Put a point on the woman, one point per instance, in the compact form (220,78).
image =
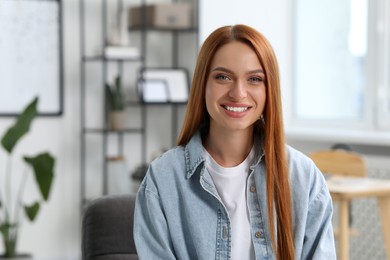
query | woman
(232,189)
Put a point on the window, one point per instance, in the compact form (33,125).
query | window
(383,29)
(342,64)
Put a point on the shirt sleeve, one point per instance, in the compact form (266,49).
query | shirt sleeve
(151,234)
(319,238)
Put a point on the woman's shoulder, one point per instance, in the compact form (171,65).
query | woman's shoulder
(303,172)
(171,154)
(164,170)
(171,159)
(296,157)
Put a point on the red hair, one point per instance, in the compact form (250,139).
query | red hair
(278,186)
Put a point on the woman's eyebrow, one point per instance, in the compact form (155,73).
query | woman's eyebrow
(222,69)
(230,71)
(255,71)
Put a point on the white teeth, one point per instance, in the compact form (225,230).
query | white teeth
(236,109)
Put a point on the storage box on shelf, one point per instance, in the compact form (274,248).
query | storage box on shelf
(162,16)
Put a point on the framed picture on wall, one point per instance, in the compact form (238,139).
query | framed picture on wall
(31,56)
(175,80)
(153,91)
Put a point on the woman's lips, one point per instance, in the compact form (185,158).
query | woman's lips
(236,111)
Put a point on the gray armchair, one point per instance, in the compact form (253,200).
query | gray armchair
(107,229)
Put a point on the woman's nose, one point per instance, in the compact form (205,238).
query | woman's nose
(238,90)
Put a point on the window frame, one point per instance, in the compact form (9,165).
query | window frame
(383,78)
(376,118)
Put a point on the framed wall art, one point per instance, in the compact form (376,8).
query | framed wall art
(176,83)
(31,56)
(153,91)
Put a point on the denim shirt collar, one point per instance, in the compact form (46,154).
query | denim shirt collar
(194,154)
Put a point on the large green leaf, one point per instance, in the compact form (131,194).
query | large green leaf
(43,165)
(21,127)
(32,211)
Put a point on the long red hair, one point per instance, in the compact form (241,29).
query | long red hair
(278,186)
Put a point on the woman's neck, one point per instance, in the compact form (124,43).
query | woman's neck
(229,148)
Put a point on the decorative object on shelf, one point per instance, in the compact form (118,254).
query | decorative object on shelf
(119,177)
(162,16)
(153,91)
(118,33)
(151,88)
(118,43)
(122,52)
(42,165)
(116,104)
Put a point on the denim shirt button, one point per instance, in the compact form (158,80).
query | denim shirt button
(253,188)
(258,234)
(224,233)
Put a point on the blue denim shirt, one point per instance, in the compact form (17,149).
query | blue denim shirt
(179,214)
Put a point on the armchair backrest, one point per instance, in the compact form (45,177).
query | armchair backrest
(107,229)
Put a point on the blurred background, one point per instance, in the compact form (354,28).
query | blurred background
(91,62)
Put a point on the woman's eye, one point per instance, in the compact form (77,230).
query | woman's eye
(255,79)
(221,77)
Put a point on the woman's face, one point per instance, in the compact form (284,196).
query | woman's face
(235,88)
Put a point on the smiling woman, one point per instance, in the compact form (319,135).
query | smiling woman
(235,91)
(232,189)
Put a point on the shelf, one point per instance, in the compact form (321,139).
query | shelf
(154,29)
(107,131)
(100,58)
(139,103)
(115,59)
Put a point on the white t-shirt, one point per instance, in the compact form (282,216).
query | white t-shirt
(231,186)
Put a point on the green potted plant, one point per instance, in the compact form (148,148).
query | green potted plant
(12,202)
(116,104)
